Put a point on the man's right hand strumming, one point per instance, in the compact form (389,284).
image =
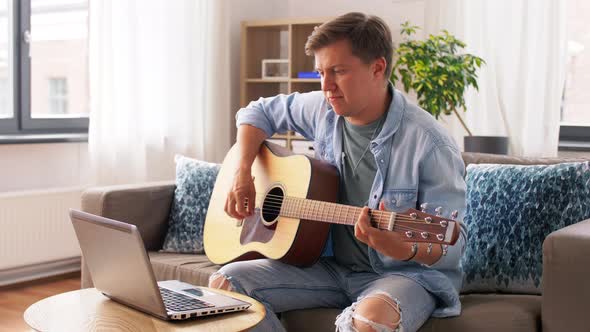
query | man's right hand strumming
(241,199)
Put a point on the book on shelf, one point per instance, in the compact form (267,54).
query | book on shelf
(308,74)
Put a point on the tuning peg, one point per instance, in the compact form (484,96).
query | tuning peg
(428,220)
(413,215)
(438,211)
(454,214)
(445,249)
(423,207)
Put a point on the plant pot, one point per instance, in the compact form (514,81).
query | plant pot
(486,144)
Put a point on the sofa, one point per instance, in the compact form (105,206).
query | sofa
(561,307)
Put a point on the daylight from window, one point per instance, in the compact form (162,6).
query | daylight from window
(6,108)
(576,103)
(58,50)
(59,85)
(58,95)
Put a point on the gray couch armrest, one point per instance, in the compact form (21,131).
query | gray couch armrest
(566,289)
(145,205)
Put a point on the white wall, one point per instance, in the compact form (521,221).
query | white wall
(392,12)
(573,154)
(43,166)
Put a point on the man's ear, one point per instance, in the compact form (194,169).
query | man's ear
(379,67)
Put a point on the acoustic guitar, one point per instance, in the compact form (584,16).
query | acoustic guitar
(294,208)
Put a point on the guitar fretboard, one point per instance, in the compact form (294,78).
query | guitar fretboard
(332,212)
(415,225)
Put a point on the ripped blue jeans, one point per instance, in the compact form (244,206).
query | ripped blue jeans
(281,287)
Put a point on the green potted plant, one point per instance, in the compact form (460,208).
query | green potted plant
(439,76)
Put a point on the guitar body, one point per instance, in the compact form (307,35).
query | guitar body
(277,172)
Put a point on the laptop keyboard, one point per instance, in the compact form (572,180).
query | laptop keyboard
(179,302)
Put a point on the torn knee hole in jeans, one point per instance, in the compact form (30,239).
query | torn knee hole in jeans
(344,321)
(220,281)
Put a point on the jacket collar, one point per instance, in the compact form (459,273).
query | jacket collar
(395,113)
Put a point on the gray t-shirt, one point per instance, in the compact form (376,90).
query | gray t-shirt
(358,173)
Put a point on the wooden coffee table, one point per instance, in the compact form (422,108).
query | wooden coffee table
(89,310)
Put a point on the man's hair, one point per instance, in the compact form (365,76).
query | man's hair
(369,36)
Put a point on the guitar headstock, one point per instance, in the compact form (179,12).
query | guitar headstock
(419,226)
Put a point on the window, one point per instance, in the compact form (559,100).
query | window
(575,112)
(58,96)
(6,63)
(43,66)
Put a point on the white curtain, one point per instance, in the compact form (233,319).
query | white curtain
(159,83)
(520,86)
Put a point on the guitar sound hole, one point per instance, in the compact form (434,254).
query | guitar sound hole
(272,204)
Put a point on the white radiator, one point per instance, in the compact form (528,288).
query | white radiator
(35,230)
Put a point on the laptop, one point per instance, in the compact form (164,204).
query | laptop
(121,270)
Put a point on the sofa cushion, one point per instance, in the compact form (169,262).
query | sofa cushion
(491,313)
(193,269)
(194,184)
(480,313)
(510,211)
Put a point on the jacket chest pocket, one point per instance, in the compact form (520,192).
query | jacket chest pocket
(318,147)
(400,200)
(324,152)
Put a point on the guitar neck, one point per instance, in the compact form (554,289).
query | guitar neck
(417,226)
(332,212)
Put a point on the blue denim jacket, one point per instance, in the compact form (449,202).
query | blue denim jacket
(417,162)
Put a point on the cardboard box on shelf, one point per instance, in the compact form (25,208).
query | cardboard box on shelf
(303,147)
(281,142)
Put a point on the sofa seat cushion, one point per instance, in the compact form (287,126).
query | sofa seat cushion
(492,312)
(480,313)
(191,268)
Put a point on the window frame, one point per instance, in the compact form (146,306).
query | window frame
(574,138)
(22,123)
(574,133)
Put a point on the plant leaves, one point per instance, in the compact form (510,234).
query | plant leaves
(436,70)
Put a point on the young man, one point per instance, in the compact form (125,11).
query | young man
(391,155)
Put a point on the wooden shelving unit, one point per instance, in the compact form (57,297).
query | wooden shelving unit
(276,39)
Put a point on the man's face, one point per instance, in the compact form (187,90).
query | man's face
(348,84)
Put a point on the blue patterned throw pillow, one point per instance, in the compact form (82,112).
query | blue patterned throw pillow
(510,211)
(194,185)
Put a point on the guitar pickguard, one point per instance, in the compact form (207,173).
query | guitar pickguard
(253,230)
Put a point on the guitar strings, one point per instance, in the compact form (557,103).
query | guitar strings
(374,213)
(276,207)
(279,199)
(377,220)
(385,224)
(356,210)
